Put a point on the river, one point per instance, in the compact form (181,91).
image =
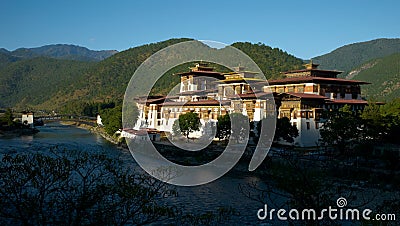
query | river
(223,192)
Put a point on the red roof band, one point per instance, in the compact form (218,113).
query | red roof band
(314,79)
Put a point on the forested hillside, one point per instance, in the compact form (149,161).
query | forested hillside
(384,76)
(271,61)
(108,79)
(56,84)
(6,58)
(61,51)
(351,56)
(28,83)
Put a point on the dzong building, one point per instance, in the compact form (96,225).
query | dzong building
(301,96)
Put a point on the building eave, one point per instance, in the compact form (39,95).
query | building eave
(309,79)
(313,70)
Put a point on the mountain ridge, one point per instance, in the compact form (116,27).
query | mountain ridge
(61,51)
(107,79)
(360,60)
(350,56)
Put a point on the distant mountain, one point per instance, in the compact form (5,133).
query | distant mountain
(24,53)
(72,52)
(30,82)
(6,58)
(351,56)
(2,50)
(62,51)
(384,76)
(110,77)
(26,58)
(45,83)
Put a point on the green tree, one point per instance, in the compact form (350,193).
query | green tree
(75,188)
(375,123)
(382,123)
(285,130)
(240,127)
(7,118)
(131,114)
(112,119)
(69,187)
(342,129)
(186,124)
(223,127)
(391,115)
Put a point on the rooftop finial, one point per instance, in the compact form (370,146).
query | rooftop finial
(311,65)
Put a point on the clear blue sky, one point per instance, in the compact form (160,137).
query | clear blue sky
(303,28)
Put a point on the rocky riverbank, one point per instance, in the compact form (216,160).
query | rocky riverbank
(101,132)
(168,150)
(77,124)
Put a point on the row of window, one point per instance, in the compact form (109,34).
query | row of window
(338,106)
(308,126)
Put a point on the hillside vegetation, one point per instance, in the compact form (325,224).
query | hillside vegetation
(109,78)
(63,84)
(384,76)
(60,51)
(271,61)
(28,83)
(351,56)
(59,84)
(6,58)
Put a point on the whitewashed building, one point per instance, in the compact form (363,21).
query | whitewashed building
(209,94)
(27,118)
(140,135)
(98,120)
(301,97)
(304,94)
